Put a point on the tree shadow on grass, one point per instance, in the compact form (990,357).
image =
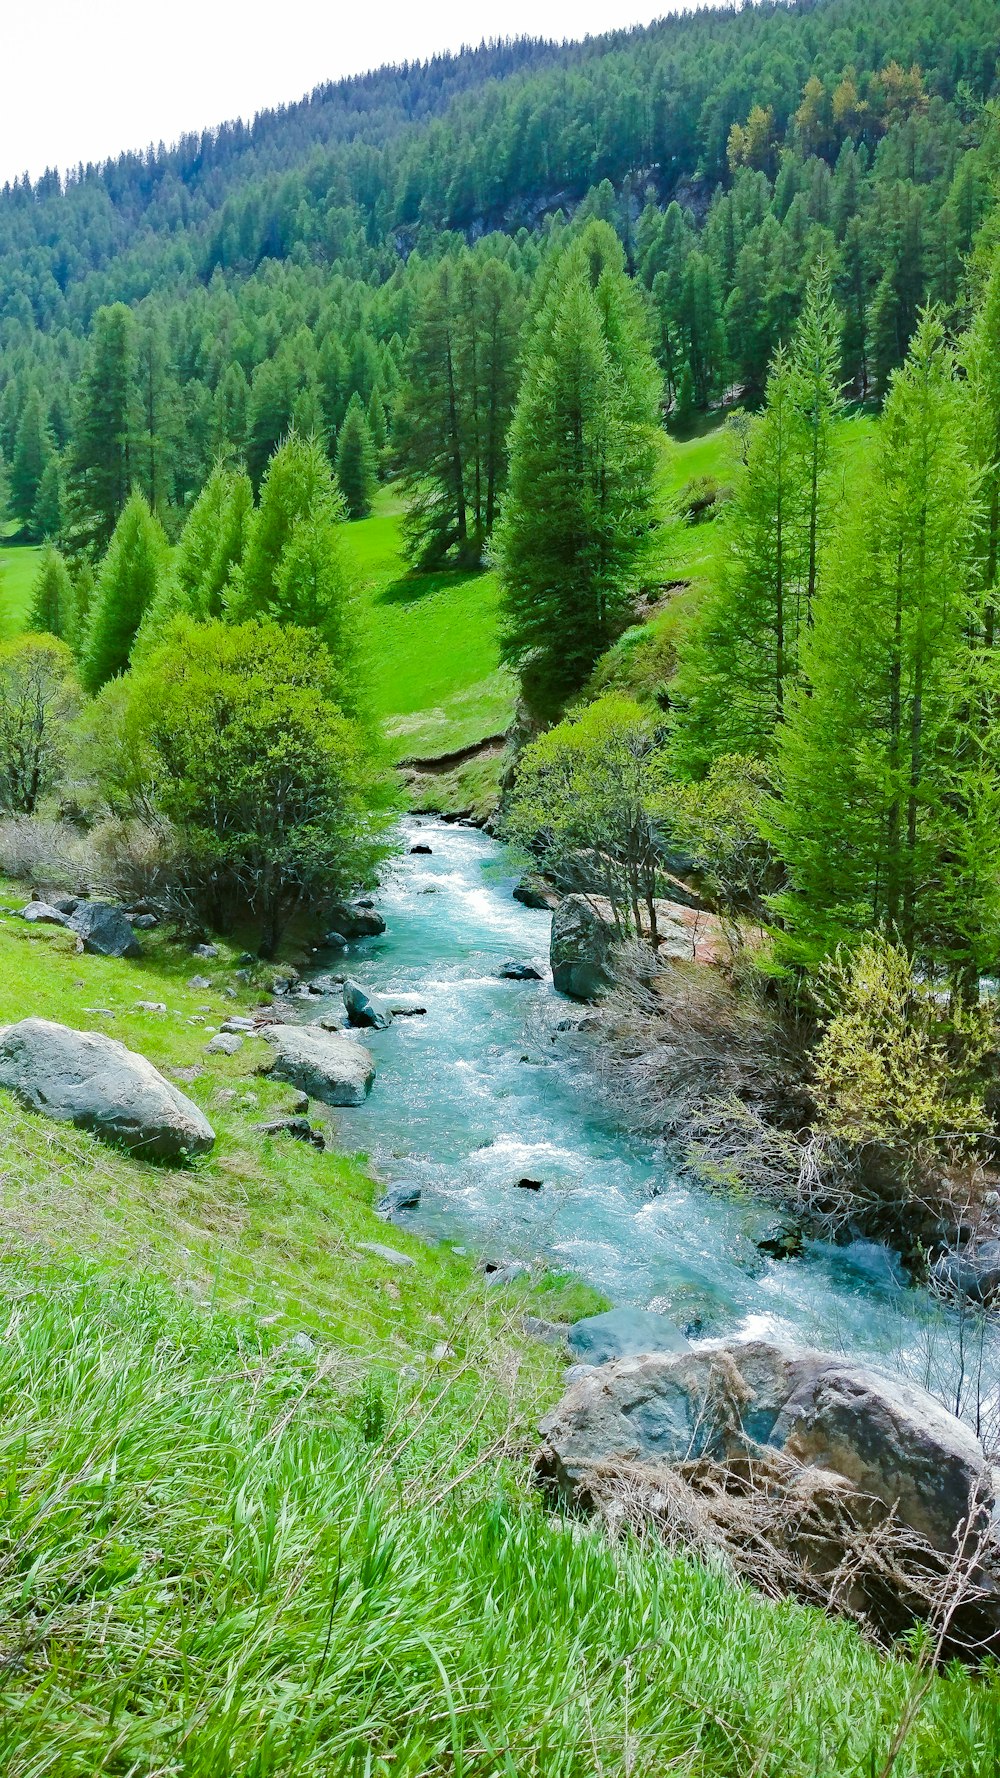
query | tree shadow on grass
(409,589)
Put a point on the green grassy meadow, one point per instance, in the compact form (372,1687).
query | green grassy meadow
(18,567)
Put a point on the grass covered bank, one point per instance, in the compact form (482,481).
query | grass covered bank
(267,1507)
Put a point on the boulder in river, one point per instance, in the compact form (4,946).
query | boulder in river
(404,1195)
(580,950)
(94,1082)
(103,929)
(324,1064)
(353,920)
(887,1439)
(365,1009)
(516,971)
(972,1272)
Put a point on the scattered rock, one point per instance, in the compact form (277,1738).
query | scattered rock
(324,1064)
(620,1333)
(65,904)
(420,851)
(508,1273)
(335,941)
(103,930)
(150,1006)
(225,1043)
(298,1127)
(301,1342)
(886,1438)
(405,1006)
(405,1195)
(144,922)
(520,972)
(204,950)
(238,1023)
(94,1082)
(41,913)
(365,1009)
(389,1254)
(531,892)
(333,1019)
(357,920)
(200,982)
(325,984)
(525,1184)
(553,1333)
(580,950)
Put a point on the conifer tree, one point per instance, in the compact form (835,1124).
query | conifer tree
(378,426)
(742,654)
(214,540)
(32,452)
(357,470)
(101,463)
(982,364)
(131,575)
(48,513)
(882,782)
(581,500)
(52,596)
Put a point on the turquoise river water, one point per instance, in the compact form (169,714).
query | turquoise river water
(475,1095)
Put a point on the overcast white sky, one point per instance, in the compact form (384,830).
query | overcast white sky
(84,79)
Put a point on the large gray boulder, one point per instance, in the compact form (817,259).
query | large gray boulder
(324,1064)
(94,1082)
(886,1438)
(365,1009)
(103,929)
(41,913)
(622,1333)
(580,950)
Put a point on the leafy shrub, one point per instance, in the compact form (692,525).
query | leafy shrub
(717,823)
(39,697)
(231,735)
(894,1064)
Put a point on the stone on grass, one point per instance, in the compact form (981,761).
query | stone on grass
(324,1064)
(390,1254)
(94,1082)
(225,1043)
(41,913)
(204,950)
(103,930)
(298,1127)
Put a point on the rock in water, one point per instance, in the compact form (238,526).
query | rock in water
(516,971)
(104,930)
(887,1438)
(404,1195)
(324,1064)
(355,921)
(621,1333)
(973,1272)
(531,892)
(365,1009)
(580,950)
(94,1082)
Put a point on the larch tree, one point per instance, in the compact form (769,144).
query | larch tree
(52,596)
(130,577)
(581,504)
(886,813)
(981,357)
(32,451)
(356,462)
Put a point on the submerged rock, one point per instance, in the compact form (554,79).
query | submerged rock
(94,1082)
(580,950)
(886,1438)
(324,1064)
(621,1333)
(404,1195)
(515,971)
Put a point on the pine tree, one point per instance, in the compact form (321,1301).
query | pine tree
(31,455)
(378,426)
(299,484)
(357,473)
(581,499)
(213,542)
(131,575)
(52,595)
(882,781)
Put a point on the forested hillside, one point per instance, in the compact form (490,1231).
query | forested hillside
(274,270)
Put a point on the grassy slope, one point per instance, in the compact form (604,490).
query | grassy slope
(18,566)
(434,664)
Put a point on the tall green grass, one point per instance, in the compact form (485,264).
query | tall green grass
(224,1557)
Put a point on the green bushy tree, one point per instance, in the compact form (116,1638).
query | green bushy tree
(39,698)
(357,462)
(52,596)
(132,575)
